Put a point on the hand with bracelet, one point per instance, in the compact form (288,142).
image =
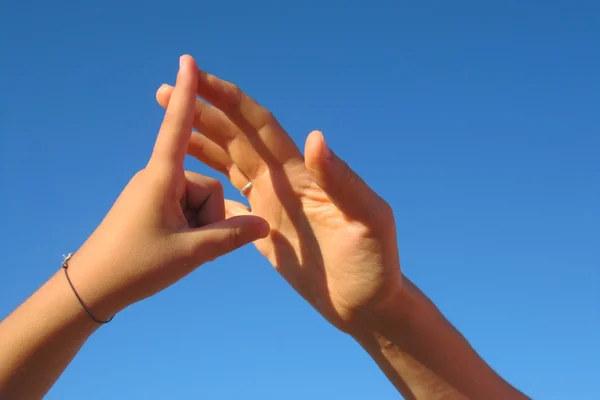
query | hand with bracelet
(331,237)
(166,222)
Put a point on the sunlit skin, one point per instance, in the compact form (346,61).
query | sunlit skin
(332,237)
(166,223)
(312,217)
(334,240)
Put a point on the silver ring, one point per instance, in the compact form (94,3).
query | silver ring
(246,189)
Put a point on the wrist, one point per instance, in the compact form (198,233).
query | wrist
(89,290)
(398,309)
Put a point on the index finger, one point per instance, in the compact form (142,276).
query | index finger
(263,130)
(174,135)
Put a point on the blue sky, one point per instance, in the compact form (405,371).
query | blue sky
(478,122)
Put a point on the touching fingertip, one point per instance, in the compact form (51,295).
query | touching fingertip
(263,228)
(187,61)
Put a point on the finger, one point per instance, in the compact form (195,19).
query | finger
(212,241)
(203,202)
(212,123)
(215,157)
(171,144)
(234,208)
(261,128)
(209,153)
(343,186)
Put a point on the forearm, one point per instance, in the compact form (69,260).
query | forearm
(424,356)
(40,338)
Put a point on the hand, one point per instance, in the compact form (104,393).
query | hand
(165,223)
(332,238)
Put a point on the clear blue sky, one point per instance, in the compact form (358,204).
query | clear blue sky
(478,121)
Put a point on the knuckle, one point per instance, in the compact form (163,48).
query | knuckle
(233,90)
(236,90)
(139,178)
(229,141)
(234,97)
(234,238)
(161,177)
(214,186)
(139,175)
(213,183)
(199,112)
(258,170)
(267,121)
(384,214)
(347,175)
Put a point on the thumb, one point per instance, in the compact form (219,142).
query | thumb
(341,184)
(214,240)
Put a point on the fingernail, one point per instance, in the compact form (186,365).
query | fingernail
(181,62)
(162,87)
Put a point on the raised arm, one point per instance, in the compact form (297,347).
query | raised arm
(334,240)
(423,355)
(165,223)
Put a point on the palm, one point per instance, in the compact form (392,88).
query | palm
(333,262)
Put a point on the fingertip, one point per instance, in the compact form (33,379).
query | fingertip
(186,61)
(263,229)
(234,209)
(248,228)
(163,94)
(253,227)
(188,67)
(187,76)
(316,150)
